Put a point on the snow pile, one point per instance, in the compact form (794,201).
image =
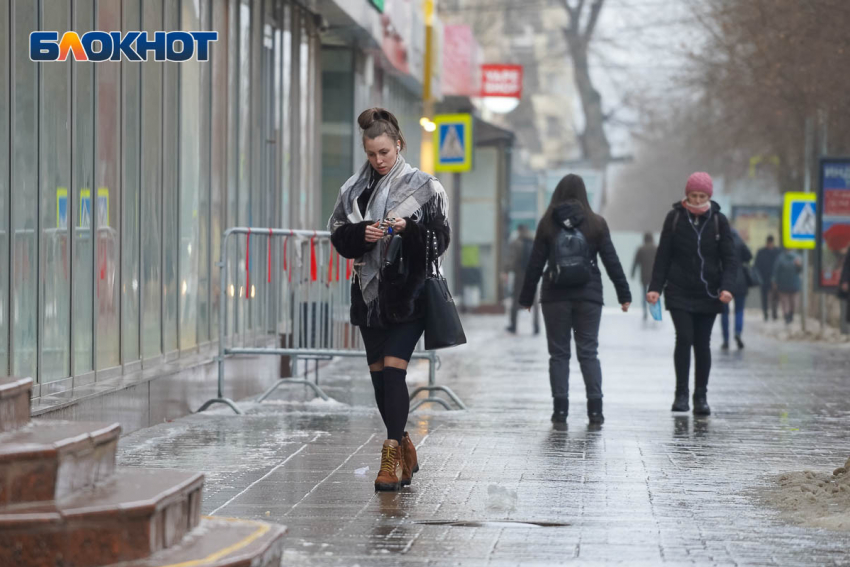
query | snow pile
(814,499)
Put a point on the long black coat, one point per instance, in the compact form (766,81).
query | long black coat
(544,246)
(689,282)
(402,301)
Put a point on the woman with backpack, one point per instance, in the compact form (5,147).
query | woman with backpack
(385,204)
(569,238)
(695,267)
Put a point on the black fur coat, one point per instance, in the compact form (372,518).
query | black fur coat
(399,301)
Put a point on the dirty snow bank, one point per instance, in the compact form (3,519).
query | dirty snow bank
(814,499)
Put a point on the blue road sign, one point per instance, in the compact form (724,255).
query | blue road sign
(453,142)
(800,220)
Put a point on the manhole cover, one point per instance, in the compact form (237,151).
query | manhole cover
(493,524)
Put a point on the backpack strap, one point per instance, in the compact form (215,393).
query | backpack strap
(717,227)
(675,220)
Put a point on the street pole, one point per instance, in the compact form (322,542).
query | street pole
(807,187)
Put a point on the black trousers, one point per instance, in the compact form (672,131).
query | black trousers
(693,331)
(769,299)
(580,319)
(519,277)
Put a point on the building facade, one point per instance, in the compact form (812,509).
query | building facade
(117,180)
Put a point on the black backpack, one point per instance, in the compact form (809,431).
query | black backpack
(570,264)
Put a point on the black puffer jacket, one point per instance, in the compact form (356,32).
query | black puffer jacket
(691,283)
(400,302)
(544,247)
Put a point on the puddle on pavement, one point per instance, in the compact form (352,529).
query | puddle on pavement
(492,524)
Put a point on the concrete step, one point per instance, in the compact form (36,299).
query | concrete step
(49,460)
(223,542)
(15,394)
(134,514)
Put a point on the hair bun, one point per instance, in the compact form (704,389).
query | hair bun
(368,117)
(376,121)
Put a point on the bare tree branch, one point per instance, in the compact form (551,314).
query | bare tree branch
(595,10)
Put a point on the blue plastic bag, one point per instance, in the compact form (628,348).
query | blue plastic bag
(655,310)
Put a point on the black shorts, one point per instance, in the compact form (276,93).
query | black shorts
(397,340)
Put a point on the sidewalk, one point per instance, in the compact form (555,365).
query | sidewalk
(648,488)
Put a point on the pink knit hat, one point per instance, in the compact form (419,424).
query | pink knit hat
(700,181)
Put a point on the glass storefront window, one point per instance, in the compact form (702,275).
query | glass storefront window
(170,180)
(84,195)
(24,202)
(55,165)
(130,284)
(203,219)
(243,165)
(5,41)
(108,197)
(337,123)
(218,151)
(190,164)
(151,194)
(232,210)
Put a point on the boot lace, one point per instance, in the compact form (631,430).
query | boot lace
(388,459)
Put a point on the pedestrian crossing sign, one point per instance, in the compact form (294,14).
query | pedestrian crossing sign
(85,209)
(799,221)
(453,143)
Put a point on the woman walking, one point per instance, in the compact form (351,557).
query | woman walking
(695,268)
(787,282)
(743,256)
(385,199)
(570,237)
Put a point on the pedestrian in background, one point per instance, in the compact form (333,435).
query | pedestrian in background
(695,267)
(765,260)
(519,254)
(740,290)
(844,285)
(787,283)
(569,238)
(385,199)
(644,258)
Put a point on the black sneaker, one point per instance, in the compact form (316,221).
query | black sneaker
(511,330)
(701,405)
(724,346)
(739,341)
(594,412)
(681,403)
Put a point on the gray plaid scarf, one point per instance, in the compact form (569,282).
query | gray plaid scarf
(401,193)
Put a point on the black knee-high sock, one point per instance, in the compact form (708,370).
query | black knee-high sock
(378,385)
(396,402)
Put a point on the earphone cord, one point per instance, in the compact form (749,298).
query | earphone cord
(701,257)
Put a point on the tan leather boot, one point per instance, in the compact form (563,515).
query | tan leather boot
(391,458)
(410,463)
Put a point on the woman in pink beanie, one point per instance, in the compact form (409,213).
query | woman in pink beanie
(695,267)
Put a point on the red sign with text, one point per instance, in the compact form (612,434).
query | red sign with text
(501,80)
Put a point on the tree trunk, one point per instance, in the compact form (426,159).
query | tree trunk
(594,142)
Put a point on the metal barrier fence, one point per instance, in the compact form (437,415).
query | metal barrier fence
(305,284)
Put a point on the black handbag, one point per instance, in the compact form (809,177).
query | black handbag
(393,270)
(751,276)
(442,322)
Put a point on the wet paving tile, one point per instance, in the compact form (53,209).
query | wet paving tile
(648,488)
